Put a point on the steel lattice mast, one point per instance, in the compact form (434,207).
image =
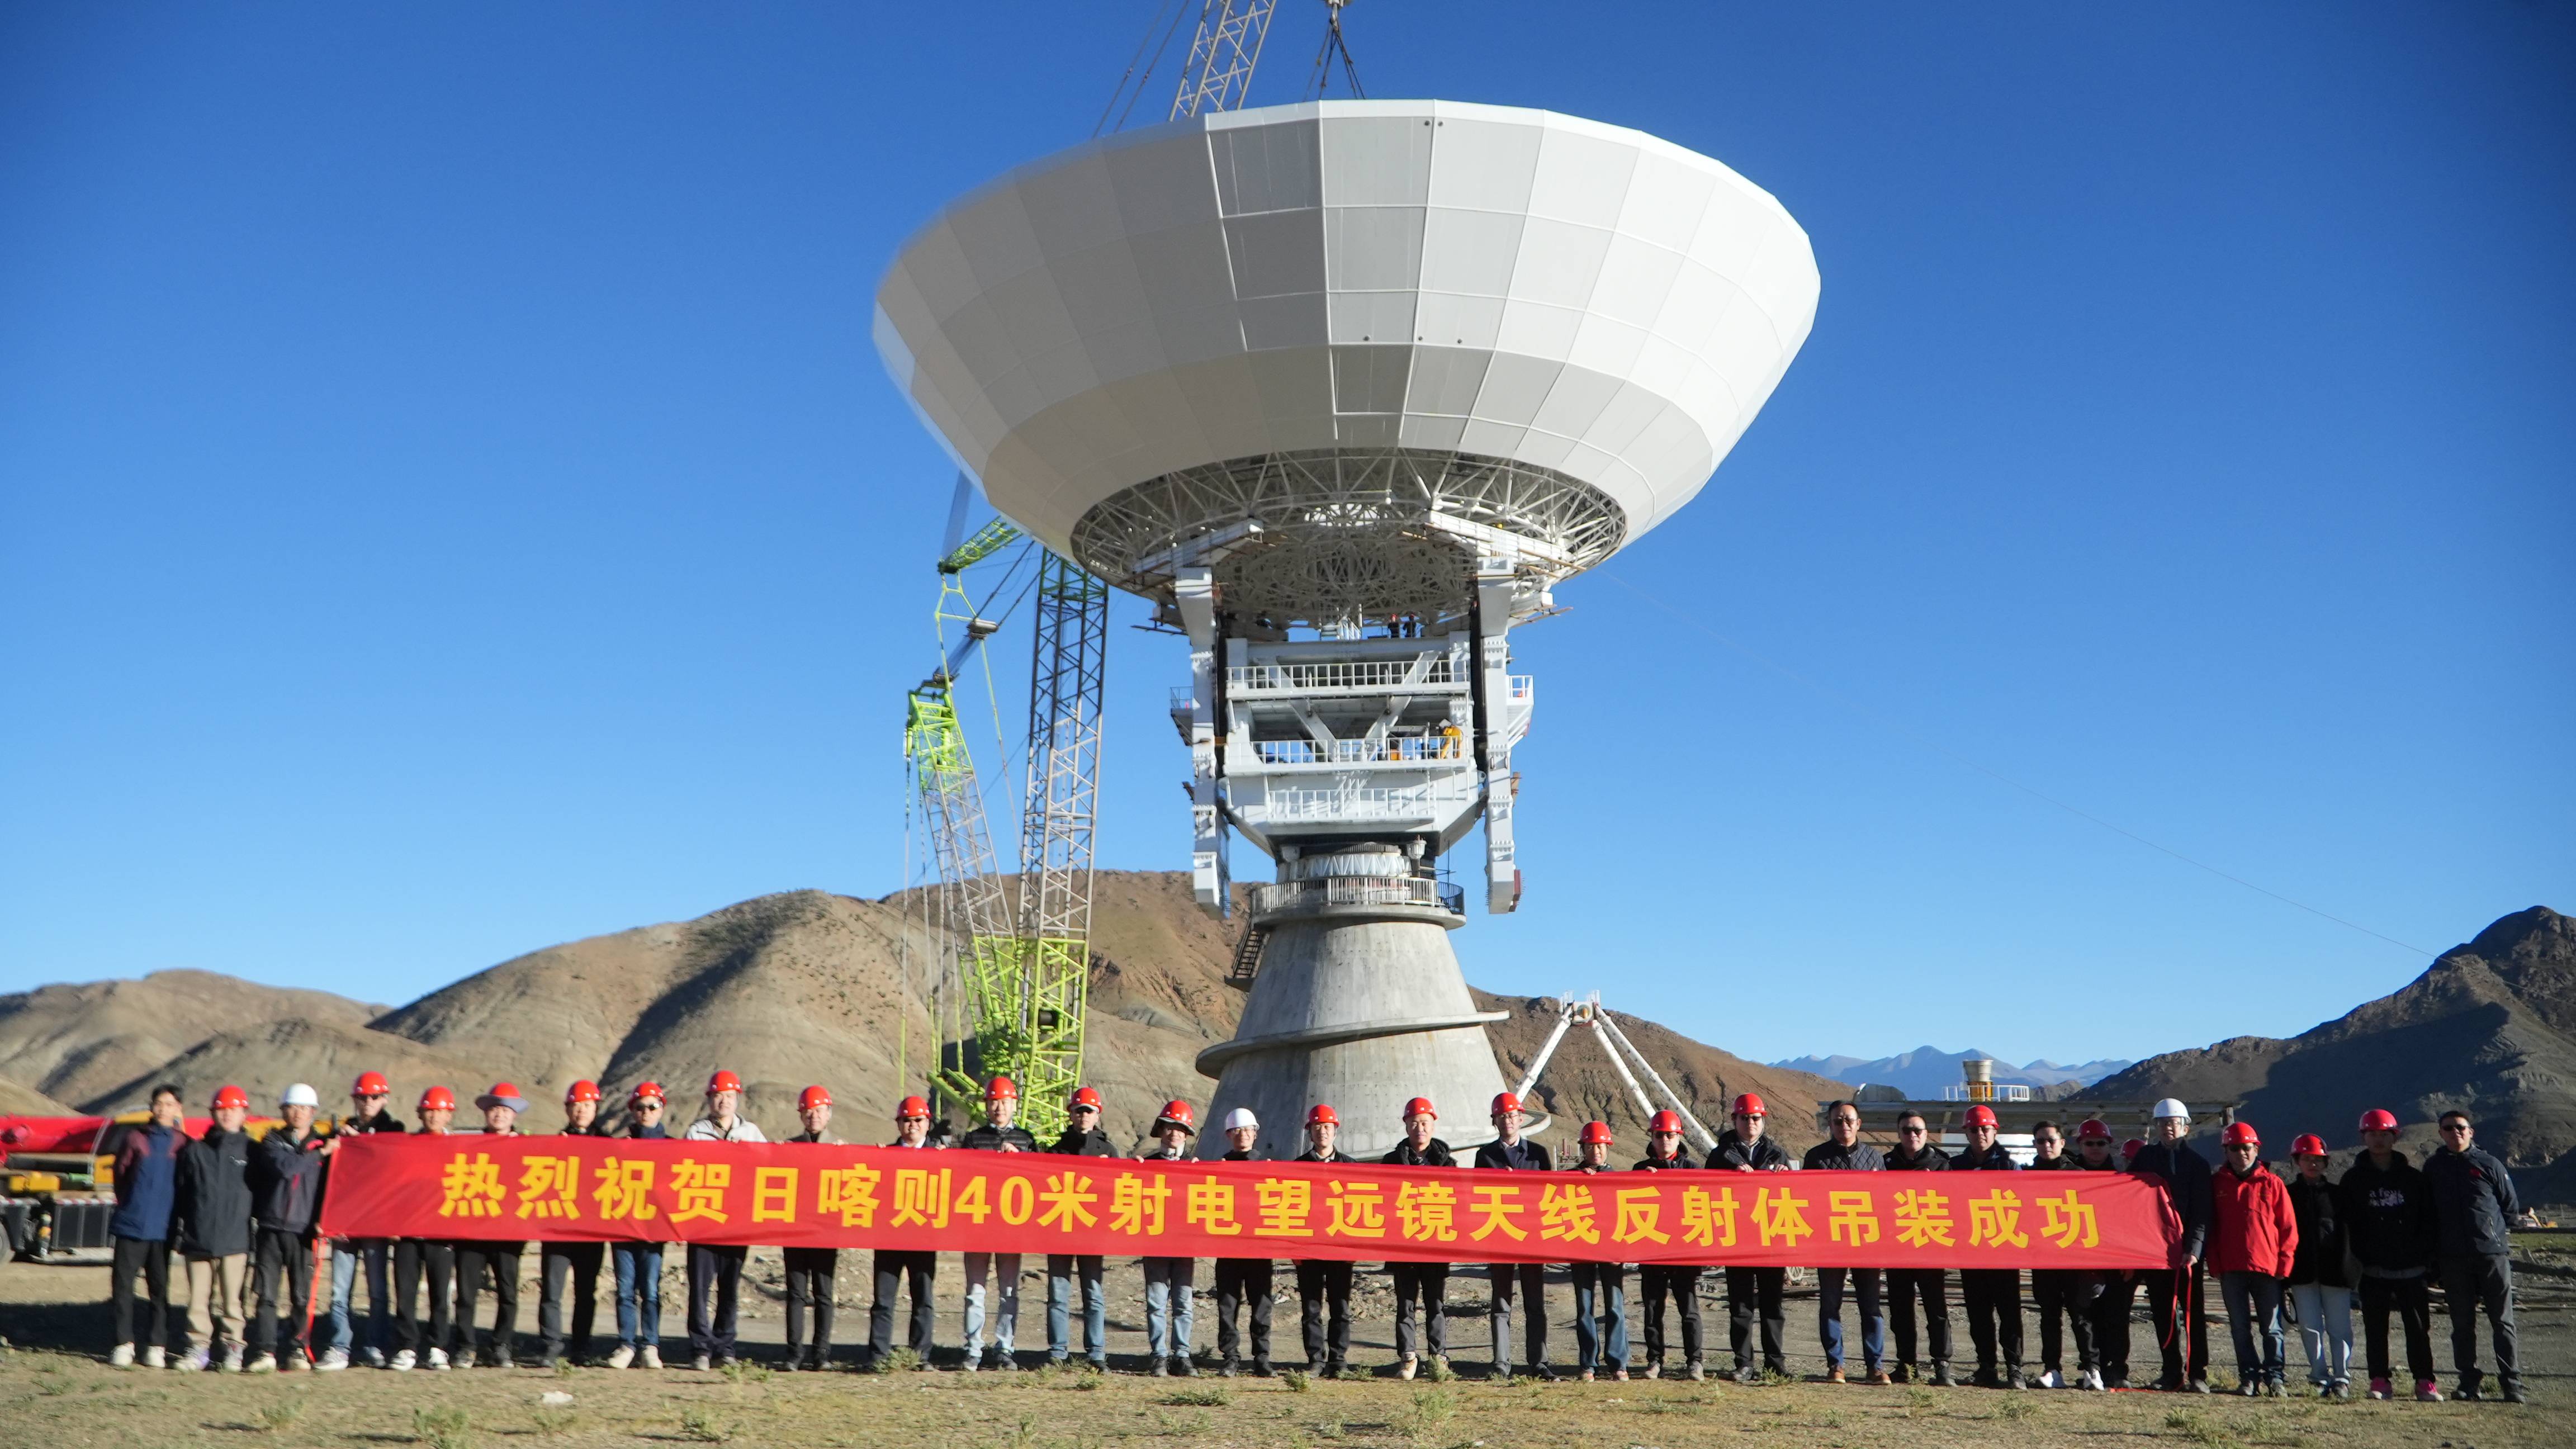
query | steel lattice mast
(1054,939)
(1222,56)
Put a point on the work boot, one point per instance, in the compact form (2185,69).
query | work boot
(1878,1378)
(1904,1374)
(1941,1376)
(1834,1374)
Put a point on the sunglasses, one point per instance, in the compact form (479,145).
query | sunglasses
(2448,1127)
(1909,1131)
(373,1096)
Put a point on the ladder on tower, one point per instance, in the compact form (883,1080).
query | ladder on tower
(1247,956)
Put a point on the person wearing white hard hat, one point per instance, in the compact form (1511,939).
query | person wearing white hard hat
(2180,1310)
(1243,1285)
(1082,1137)
(1421,1288)
(286,1192)
(1511,1152)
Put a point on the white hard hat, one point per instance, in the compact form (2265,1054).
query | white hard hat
(2171,1107)
(1241,1117)
(299,1095)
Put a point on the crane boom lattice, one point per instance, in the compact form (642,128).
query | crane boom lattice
(1222,56)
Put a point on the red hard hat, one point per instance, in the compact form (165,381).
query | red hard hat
(1000,1088)
(371,1084)
(1084,1097)
(1596,1132)
(2308,1145)
(1505,1102)
(2133,1147)
(2093,1130)
(2378,1119)
(1982,1115)
(438,1099)
(723,1082)
(1420,1107)
(1178,1113)
(912,1107)
(231,1097)
(1749,1105)
(645,1092)
(1666,1120)
(811,1098)
(584,1090)
(1321,1113)
(2242,1134)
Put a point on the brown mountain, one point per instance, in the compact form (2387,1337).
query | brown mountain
(2489,1028)
(786,989)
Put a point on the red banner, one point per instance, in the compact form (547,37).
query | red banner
(797,1195)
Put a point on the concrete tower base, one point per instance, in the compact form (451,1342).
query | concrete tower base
(1362,1007)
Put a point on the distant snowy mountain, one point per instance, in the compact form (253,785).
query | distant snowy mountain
(1924,1071)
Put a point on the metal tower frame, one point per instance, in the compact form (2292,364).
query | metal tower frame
(1222,56)
(1066,676)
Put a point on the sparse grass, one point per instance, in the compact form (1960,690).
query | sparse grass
(744,1371)
(441,1428)
(1432,1408)
(1829,1419)
(1920,1398)
(279,1414)
(902,1360)
(1088,1383)
(1437,1370)
(1329,1429)
(700,1427)
(1209,1398)
(2197,1427)
(1296,1382)
(555,1423)
(2015,1407)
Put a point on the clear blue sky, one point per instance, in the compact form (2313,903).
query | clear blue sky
(449,504)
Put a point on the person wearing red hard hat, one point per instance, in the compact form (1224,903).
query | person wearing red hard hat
(2253,1241)
(146,1181)
(1324,1285)
(2474,1206)
(2392,1238)
(1243,1285)
(635,1268)
(1510,1152)
(1992,1295)
(810,1270)
(1925,1288)
(479,1259)
(1421,1289)
(368,1096)
(997,1134)
(715,1269)
(1753,1293)
(894,1268)
(433,1258)
(1082,1137)
(573,1266)
(1676,1282)
(2178,1303)
(212,1223)
(1170,1283)
(1600,1289)
(1843,1151)
(2117,1292)
(2320,1289)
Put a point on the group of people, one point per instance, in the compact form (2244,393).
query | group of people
(241,1217)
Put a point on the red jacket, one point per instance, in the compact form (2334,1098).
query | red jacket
(2252,1229)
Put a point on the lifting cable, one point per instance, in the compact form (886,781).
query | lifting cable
(1335,44)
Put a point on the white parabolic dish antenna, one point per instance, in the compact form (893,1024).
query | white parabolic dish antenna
(1374,328)
(1347,388)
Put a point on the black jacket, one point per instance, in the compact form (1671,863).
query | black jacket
(1435,1155)
(2062,1162)
(1309,1156)
(1731,1153)
(1680,1161)
(214,1211)
(286,1181)
(2473,1203)
(1534,1157)
(381,1122)
(2390,1216)
(1237,1155)
(1993,1159)
(2185,1175)
(1930,1159)
(989,1138)
(1077,1143)
(642,1133)
(1859,1157)
(2318,1206)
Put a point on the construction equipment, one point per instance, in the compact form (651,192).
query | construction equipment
(1587,1011)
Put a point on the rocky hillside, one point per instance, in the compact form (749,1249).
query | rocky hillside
(786,989)
(2490,1028)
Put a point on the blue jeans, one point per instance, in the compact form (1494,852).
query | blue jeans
(639,1285)
(1829,1314)
(345,1257)
(1600,1339)
(1061,1270)
(2254,1318)
(2325,1331)
(1170,1285)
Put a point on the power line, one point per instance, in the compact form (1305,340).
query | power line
(1898,727)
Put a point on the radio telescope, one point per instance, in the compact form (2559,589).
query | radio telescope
(1347,388)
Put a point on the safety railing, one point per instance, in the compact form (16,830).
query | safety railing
(1391,750)
(1355,890)
(1422,669)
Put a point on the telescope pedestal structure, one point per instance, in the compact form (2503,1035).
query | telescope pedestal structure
(1360,1004)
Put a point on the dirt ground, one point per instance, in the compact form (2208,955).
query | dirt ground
(56,1390)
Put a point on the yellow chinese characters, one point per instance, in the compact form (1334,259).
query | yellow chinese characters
(1357,1210)
(549,1187)
(1209,1206)
(1923,1219)
(1427,1212)
(1851,1217)
(1641,1216)
(773,1195)
(1136,1204)
(470,1187)
(1994,1221)
(624,1188)
(699,1189)
(1284,1204)
(1708,1219)
(1068,1198)
(1495,1207)
(1781,1216)
(850,1192)
(921,1197)
(2068,1221)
